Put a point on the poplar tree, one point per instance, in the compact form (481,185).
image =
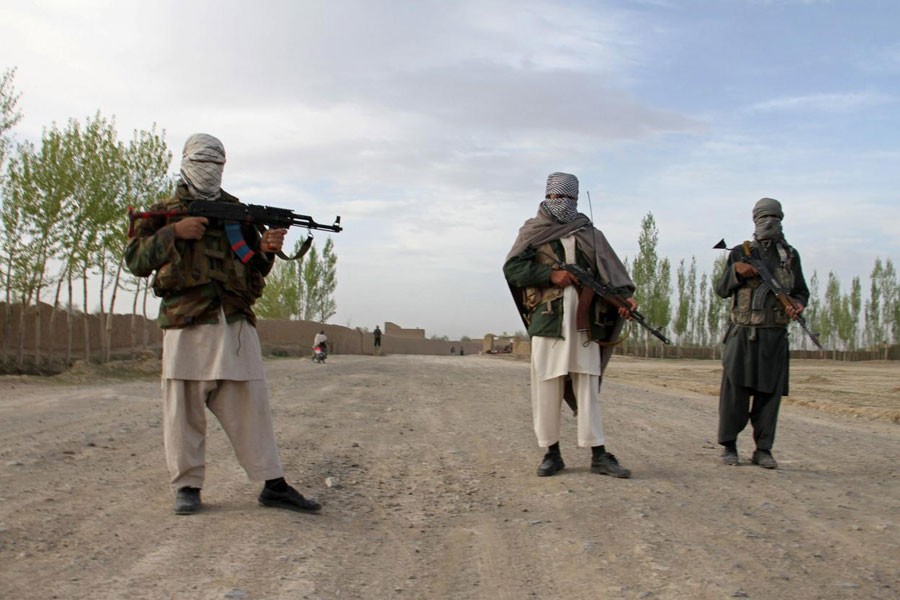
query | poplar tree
(40,190)
(9,213)
(145,162)
(680,325)
(702,308)
(717,315)
(890,306)
(652,277)
(282,298)
(813,312)
(874,332)
(320,282)
(831,315)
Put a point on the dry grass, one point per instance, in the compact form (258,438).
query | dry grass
(865,389)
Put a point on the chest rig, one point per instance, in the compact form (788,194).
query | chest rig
(535,296)
(755,303)
(202,261)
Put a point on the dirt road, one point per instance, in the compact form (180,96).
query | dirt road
(433,494)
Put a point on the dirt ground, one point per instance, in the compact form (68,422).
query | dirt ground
(426,467)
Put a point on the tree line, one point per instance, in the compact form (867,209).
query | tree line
(62,225)
(845,320)
(63,207)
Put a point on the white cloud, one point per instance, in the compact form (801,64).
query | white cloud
(847,102)
(430,128)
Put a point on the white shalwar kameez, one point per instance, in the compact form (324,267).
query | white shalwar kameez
(554,358)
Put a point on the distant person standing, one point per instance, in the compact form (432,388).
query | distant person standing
(377,335)
(756,358)
(562,356)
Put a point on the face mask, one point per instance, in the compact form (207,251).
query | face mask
(767,228)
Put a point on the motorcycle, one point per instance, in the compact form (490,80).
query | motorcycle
(319,353)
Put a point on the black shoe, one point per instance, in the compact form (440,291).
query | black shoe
(606,464)
(550,465)
(730,457)
(290,499)
(187,501)
(764,459)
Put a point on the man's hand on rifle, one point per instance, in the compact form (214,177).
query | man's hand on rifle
(562,278)
(191,228)
(272,240)
(794,309)
(626,313)
(745,270)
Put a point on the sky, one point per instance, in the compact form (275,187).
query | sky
(430,127)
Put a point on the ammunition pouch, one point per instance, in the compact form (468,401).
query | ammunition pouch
(202,261)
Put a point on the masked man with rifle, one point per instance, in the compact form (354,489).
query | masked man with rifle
(570,330)
(755,360)
(208,274)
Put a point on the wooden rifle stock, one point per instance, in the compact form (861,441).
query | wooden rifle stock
(610,295)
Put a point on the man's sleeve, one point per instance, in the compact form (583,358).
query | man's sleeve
(522,271)
(150,249)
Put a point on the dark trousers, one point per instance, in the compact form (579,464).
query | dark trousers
(735,412)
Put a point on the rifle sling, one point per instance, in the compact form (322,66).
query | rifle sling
(303,250)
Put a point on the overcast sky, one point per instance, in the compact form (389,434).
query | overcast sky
(431,126)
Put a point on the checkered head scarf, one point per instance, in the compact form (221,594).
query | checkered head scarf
(561,199)
(201,165)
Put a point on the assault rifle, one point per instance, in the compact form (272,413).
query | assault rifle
(779,290)
(610,294)
(252,214)
(242,213)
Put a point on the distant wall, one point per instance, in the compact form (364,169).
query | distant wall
(133,333)
(396,330)
(128,332)
(296,337)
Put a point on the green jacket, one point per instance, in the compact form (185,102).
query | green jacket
(530,272)
(195,278)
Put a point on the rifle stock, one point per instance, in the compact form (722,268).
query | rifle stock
(610,294)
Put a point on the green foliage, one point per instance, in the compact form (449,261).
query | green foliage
(301,289)
(320,281)
(65,201)
(282,296)
(874,332)
(652,277)
(717,310)
(685,299)
(813,310)
(890,306)
(9,112)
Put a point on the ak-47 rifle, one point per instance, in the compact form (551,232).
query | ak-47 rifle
(610,294)
(782,294)
(252,214)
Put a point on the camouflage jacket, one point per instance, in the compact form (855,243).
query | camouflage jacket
(195,278)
